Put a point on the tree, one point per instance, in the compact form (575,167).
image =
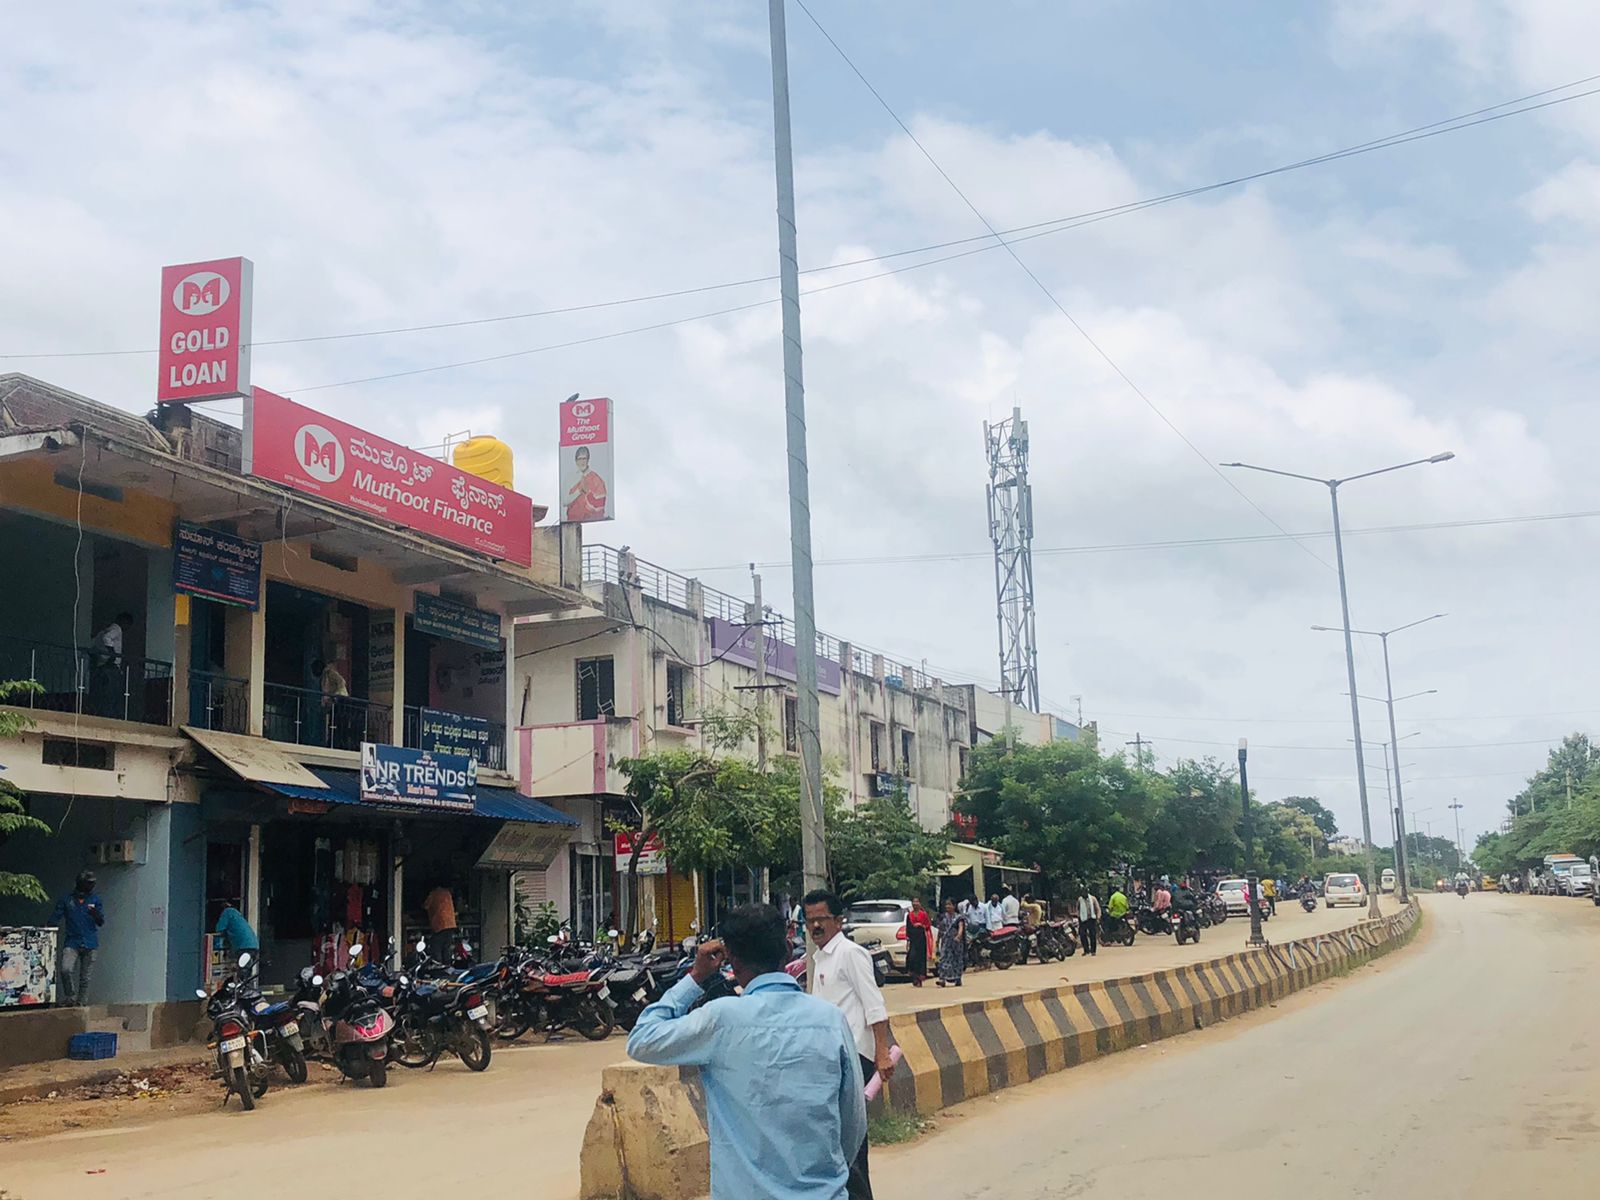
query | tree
(1288,835)
(881,851)
(1062,806)
(1196,824)
(711,812)
(1327,824)
(14,816)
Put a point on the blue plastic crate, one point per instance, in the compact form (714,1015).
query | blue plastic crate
(92,1045)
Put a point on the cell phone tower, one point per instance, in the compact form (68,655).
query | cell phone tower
(1011,530)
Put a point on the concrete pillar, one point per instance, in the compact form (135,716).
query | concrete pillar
(252,880)
(182,645)
(696,597)
(877,667)
(398,735)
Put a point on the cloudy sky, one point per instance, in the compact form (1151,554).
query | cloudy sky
(402,164)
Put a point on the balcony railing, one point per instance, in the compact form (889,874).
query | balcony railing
(219,702)
(90,681)
(493,758)
(307,717)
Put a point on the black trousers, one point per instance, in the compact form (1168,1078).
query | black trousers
(858,1186)
(1090,932)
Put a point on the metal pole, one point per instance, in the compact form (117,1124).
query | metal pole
(1399,791)
(813,847)
(1355,706)
(759,616)
(1460,856)
(1249,850)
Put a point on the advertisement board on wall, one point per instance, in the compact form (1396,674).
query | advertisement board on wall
(652,859)
(447,618)
(216,565)
(204,352)
(454,733)
(287,443)
(586,456)
(737,644)
(398,775)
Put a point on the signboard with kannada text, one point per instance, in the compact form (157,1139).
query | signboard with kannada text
(454,733)
(400,776)
(217,565)
(311,452)
(459,622)
(204,352)
(652,859)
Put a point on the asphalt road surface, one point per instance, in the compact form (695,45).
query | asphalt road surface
(1467,1065)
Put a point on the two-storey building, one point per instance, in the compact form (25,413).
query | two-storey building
(210,650)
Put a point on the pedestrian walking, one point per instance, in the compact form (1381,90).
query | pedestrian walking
(1269,889)
(789,1133)
(919,942)
(1089,920)
(952,945)
(80,915)
(844,978)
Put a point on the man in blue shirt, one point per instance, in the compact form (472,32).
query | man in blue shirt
(232,927)
(81,915)
(784,1102)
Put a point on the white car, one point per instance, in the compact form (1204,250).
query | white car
(1343,889)
(882,921)
(1235,894)
(1577,880)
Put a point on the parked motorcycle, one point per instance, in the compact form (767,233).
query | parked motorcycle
(1153,922)
(358,1026)
(242,1052)
(1055,941)
(281,1024)
(1216,908)
(541,997)
(432,1018)
(999,948)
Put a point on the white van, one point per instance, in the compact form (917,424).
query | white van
(1386,881)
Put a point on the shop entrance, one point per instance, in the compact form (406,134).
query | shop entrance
(593,901)
(324,889)
(225,879)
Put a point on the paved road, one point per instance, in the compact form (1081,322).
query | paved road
(448,1127)
(1466,1066)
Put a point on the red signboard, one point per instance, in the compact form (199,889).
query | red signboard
(205,331)
(587,461)
(301,448)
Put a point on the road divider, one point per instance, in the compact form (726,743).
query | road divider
(647,1137)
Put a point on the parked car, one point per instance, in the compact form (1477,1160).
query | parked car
(881,921)
(1235,894)
(1577,880)
(1343,889)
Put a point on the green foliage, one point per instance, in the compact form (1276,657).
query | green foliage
(1062,806)
(1327,825)
(14,817)
(881,851)
(1556,812)
(883,1129)
(535,923)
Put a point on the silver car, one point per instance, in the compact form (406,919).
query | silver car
(882,921)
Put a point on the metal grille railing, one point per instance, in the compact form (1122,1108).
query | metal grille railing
(220,702)
(305,717)
(91,681)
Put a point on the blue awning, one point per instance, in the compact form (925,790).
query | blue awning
(497,804)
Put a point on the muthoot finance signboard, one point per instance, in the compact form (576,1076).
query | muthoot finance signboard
(287,443)
(205,331)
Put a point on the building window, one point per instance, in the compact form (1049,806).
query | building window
(876,735)
(791,724)
(677,694)
(908,753)
(961,761)
(93,756)
(597,692)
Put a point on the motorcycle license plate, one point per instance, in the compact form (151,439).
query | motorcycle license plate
(605,992)
(639,994)
(289,1029)
(481,1010)
(232,1045)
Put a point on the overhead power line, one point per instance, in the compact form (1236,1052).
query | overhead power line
(1243,539)
(1016,234)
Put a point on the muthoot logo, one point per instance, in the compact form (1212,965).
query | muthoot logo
(319,453)
(199,294)
(583,409)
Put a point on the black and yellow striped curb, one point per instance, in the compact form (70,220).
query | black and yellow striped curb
(961,1051)
(647,1137)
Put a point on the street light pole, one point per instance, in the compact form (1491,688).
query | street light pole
(1456,804)
(1349,646)
(1249,849)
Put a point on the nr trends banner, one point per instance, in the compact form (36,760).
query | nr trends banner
(287,443)
(396,775)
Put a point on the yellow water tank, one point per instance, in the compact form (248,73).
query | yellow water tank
(486,457)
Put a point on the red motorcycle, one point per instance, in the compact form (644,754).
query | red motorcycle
(357,1024)
(549,1000)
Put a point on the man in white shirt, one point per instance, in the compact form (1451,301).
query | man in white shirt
(108,642)
(842,975)
(993,913)
(1010,908)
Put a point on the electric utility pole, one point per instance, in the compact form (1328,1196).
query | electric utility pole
(758,620)
(813,846)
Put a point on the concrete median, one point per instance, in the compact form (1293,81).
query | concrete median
(647,1138)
